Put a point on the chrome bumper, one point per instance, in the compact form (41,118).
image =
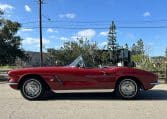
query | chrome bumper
(12,83)
(155,83)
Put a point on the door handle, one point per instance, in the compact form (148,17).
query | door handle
(104,73)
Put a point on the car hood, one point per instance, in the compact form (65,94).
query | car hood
(37,70)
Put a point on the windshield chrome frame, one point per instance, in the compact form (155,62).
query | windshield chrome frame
(76,62)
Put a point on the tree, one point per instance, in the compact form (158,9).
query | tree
(166,52)
(71,50)
(10,42)
(140,47)
(137,52)
(112,45)
(140,57)
(126,46)
(134,49)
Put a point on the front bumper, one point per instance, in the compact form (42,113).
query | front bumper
(155,83)
(13,84)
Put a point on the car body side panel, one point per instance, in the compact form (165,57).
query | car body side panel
(85,78)
(78,78)
(144,77)
(64,78)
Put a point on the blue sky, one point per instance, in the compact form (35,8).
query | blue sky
(90,14)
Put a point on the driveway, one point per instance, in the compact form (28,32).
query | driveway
(149,105)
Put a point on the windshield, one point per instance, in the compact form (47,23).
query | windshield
(78,62)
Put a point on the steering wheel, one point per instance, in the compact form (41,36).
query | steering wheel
(81,65)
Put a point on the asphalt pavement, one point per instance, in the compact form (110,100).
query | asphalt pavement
(149,105)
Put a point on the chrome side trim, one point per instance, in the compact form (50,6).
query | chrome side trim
(12,83)
(84,91)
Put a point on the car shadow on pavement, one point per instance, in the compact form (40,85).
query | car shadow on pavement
(144,95)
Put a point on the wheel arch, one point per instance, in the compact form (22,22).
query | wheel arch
(36,76)
(140,84)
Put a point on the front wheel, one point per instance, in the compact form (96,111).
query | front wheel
(127,89)
(32,89)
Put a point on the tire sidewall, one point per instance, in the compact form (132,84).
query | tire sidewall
(40,94)
(121,95)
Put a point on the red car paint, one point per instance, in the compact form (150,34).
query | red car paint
(68,78)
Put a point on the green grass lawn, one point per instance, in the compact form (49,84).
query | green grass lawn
(7,67)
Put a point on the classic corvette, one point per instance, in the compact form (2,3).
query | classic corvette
(76,77)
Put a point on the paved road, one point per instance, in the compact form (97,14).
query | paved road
(150,105)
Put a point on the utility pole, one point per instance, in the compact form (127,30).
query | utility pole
(40,32)
(165,71)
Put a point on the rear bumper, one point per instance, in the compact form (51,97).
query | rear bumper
(150,85)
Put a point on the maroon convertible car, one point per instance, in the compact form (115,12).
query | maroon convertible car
(76,77)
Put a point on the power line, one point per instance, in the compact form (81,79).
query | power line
(142,27)
(121,27)
(46,17)
(94,22)
(108,21)
(30,22)
(96,26)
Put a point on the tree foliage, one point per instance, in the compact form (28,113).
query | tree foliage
(112,43)
(126,46)
(71,50)
(9,42)
(138,54)
(138,48)
(143,61)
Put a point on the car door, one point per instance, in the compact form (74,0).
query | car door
(85,78)
(100,78)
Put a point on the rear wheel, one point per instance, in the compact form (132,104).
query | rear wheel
(32,89)
(127,89)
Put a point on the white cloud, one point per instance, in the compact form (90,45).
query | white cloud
(50,30)
(146,14)
(6,7)
(104,33)
(27,8)
(74,38)
(103,44)
(64,38)
(34,41)
(26,30)
(88,33)
(8,15)
(85,34)
(68,15)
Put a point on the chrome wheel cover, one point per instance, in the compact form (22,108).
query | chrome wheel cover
(128,88)
(32,88)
